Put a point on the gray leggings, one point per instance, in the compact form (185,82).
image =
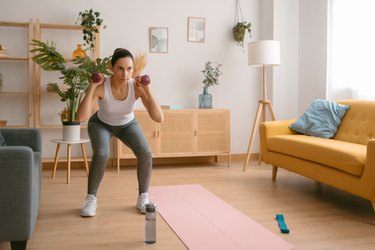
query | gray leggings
(131,135)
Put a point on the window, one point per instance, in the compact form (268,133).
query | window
(351,49)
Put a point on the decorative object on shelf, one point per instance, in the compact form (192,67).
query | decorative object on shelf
(75,78)
(211,74)
(240,27)
(261,54)
(3,52)
(90,21)
(79,52)
(3,123)
(172,107)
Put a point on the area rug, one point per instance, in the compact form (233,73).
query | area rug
(204,221)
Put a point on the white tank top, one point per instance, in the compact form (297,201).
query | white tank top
(116,112)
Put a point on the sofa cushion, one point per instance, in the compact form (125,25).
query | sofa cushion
(321,119)
(358,125)
(2,140)
(346,156)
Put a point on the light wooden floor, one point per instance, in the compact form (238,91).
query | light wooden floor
(318,216)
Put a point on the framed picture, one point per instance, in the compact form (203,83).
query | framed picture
(158,40)
(196,29)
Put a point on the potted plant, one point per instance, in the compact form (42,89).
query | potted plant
(75,75)
(211,73)
(90,21)
(239,31)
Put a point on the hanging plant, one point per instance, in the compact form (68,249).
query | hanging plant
(239,31)
(240,27)
(90,21)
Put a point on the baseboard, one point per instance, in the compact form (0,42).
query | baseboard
(48,163)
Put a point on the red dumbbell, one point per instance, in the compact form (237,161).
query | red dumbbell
(96,77)
(145,80)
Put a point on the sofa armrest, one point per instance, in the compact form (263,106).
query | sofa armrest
(30,137)
(367,183)
(272,128)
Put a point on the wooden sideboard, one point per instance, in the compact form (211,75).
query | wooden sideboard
(183,133)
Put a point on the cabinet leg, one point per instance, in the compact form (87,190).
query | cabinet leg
(56,160)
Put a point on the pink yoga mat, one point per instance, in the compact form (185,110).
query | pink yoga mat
(204,221)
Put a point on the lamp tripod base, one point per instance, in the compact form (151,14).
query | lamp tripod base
(260,116)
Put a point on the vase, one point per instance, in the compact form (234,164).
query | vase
(71,131)
(205,99)
(79,52)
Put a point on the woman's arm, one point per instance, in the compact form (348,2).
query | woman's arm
(87,105)
(148,100)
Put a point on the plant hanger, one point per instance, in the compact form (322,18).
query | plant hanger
(238,11)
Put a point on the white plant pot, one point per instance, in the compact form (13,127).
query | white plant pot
(72,132)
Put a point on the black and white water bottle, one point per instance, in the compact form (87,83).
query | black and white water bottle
(150,224)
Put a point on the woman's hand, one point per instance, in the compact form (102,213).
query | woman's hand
(143,80)
(97,78)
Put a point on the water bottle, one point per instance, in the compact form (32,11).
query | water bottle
(150,224)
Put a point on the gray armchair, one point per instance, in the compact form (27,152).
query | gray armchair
(20,184)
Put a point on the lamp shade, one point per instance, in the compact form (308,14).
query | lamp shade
(264,52)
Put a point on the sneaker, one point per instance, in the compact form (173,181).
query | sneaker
(142,202)
(89,206)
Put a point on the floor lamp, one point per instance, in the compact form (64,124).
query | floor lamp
(261,54)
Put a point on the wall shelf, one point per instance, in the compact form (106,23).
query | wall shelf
(11,58)
(13,89)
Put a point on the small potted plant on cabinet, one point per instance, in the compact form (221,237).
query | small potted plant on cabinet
(211,75)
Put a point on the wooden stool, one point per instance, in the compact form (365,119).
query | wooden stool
(69,144)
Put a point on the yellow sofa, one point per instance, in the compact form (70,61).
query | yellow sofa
(347,161)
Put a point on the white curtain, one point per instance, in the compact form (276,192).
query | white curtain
(351,49)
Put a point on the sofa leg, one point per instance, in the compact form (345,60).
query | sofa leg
(373,205)
(274,172)
(18,245)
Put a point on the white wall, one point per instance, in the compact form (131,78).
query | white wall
(285,76)
(176,76)
(312,52)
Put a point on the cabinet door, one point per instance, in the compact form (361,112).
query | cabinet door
(176,133)
(213,129)
(149,130)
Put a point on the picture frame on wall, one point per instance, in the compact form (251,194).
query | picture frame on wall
(159,40)
(196,29)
